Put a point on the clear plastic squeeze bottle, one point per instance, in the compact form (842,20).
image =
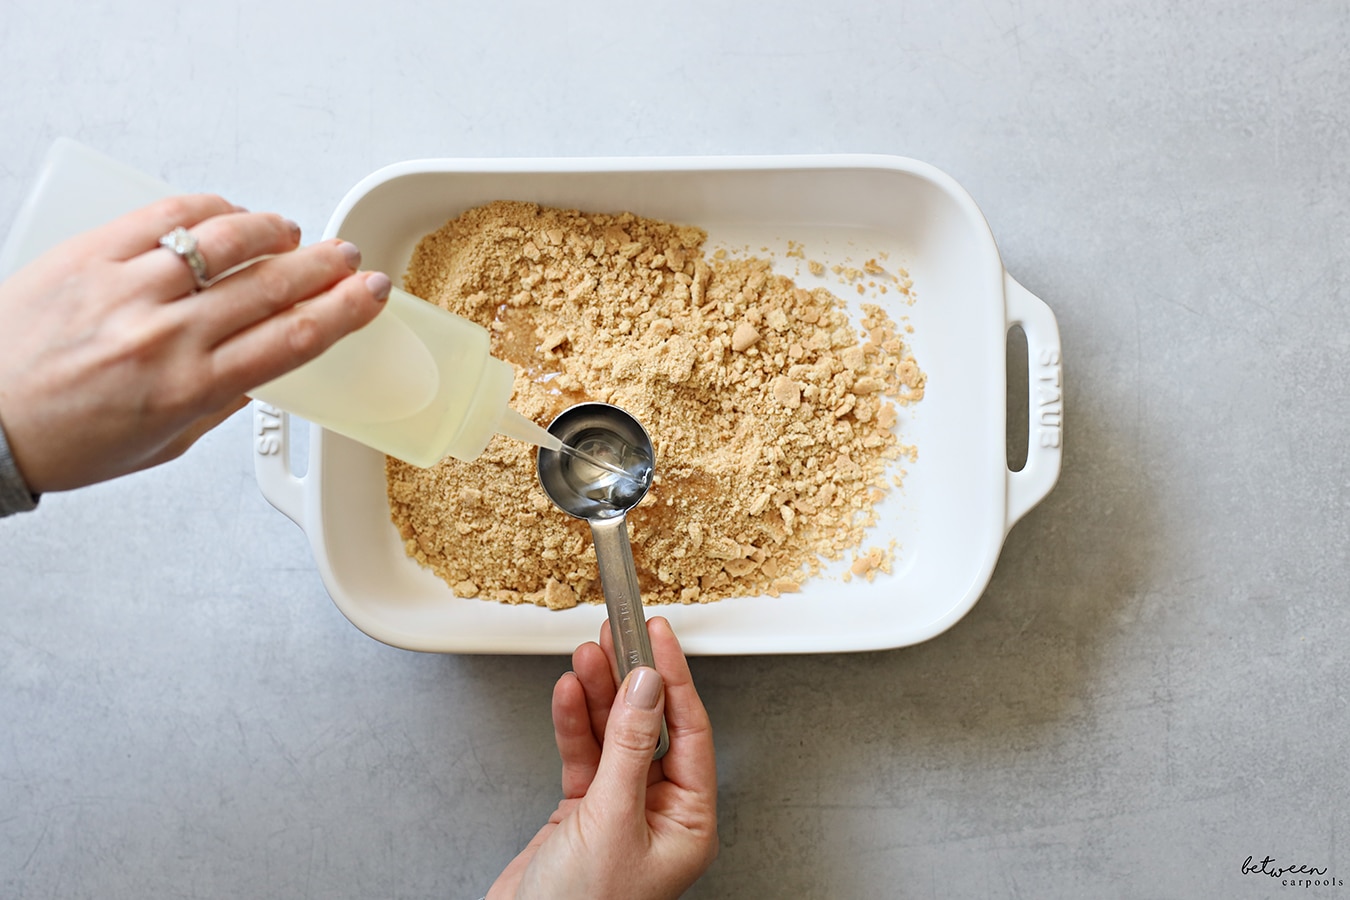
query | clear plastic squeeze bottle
(417,383)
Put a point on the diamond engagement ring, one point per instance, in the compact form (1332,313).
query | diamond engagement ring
(182,242)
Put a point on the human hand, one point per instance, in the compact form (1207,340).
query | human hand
(109,363)
(627,827)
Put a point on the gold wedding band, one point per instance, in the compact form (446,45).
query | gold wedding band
(184,244)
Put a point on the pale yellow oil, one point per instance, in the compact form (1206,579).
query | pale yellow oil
(417,383)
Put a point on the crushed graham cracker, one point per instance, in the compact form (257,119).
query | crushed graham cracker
(772,416)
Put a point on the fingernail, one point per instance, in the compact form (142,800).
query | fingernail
(351,254)
(644,688)
(295,229)
(378,284)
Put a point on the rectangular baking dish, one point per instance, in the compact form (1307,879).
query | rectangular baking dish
(958,499)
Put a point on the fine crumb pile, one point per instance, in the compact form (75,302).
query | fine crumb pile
(771,415)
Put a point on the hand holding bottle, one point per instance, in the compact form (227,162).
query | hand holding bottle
(110,359)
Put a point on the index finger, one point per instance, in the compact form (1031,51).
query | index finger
(294,336)
(691,761)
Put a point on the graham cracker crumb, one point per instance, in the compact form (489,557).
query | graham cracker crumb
(872,561)
(770,413)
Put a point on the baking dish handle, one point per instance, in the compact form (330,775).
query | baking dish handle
(271,462)
(1045,396)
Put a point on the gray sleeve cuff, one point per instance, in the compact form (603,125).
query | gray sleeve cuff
(14,494)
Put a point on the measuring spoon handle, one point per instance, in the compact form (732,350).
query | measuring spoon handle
(627,624)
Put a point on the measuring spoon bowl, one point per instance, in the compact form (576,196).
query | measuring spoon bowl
(610,434)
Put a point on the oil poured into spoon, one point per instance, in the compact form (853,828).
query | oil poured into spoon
(607,469)
(603,466)
(597,453)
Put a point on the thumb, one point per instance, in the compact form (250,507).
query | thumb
(631,735)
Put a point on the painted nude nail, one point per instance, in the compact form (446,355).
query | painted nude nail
(379,284)
(644,688)
(351,254)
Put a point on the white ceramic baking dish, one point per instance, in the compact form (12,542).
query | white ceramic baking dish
(958,500)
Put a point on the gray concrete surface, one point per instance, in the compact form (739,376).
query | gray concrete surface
(1154,686)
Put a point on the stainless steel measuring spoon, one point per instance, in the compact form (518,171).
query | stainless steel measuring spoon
(599,494)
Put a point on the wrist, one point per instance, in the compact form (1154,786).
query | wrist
(14,493)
